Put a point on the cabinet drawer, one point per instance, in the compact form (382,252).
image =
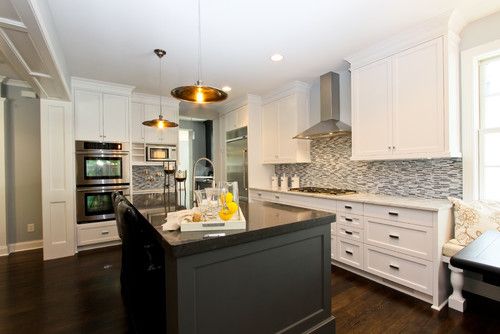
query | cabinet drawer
(409,239)
(89,234)
(412,216)
(309,202)
(349,232)
(350,219)
(350,252)
(350,207)
(410,272)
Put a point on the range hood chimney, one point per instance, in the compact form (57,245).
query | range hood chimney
(330,124)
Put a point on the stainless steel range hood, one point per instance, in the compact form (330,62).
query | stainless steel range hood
(330,125)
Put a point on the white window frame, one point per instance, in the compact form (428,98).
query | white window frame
(470,60)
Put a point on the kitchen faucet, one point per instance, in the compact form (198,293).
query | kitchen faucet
(194,174)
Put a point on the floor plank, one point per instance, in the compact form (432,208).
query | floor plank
(81,294)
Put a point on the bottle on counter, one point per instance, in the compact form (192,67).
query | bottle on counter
(274,182)
(284,183)
(295,181)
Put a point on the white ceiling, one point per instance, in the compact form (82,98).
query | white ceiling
(113,40)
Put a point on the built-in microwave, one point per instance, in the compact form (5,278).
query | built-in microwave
(161,153)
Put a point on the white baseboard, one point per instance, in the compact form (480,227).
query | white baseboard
(4,250)
(24,246)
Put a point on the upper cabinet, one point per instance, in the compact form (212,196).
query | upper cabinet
(285,114)
(236,119)
(147,107)
(405,105)
(101,110)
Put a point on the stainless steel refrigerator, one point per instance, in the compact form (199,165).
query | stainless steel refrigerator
(237,160)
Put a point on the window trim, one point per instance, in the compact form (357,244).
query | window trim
(470,60)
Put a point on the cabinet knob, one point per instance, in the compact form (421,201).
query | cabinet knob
(394,147)
(388,147)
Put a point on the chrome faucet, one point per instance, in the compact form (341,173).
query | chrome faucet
(194,174)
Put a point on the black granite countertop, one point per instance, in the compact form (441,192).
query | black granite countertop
(263,219)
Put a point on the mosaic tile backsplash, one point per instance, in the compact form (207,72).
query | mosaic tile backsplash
(331,167)
(148,177)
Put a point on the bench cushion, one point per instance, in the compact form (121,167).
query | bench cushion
(451,248)
(473,218)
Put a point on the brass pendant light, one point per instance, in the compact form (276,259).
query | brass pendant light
(199,93)
(160,122)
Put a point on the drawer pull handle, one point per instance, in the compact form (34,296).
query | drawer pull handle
(277,197)
(104,232)
(348,207)
(392,213)
(348,232)
(259,194)
(394,267)
(348,252)
(393,236)
(348,219)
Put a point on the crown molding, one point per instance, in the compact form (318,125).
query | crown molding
(448,24)
(102,86)
(18,83)
(287,89)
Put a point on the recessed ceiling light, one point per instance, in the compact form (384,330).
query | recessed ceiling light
(277,57)
(226,88)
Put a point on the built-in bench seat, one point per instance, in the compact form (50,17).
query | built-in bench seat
(472,219)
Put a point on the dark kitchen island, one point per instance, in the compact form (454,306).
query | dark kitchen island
(272,277)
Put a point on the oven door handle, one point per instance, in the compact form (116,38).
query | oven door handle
(103,189)
(103,155)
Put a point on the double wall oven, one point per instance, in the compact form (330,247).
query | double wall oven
(101,169)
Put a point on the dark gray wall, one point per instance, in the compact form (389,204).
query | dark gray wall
(199,142)
(23,166)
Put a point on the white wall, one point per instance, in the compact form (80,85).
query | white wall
(23,169)
(482,31)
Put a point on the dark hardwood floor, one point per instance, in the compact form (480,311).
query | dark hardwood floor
(81,294)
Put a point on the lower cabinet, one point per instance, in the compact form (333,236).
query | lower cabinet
(396,246)
(97,233)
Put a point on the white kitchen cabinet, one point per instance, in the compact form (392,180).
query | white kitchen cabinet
(371,110)
(147,107)
(137,128)
(284,115)
(404,105)
(101,110)
(115,117)
(88,122)
(236,119)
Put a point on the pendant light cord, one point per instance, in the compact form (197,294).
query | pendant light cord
(161,108)
(199,43)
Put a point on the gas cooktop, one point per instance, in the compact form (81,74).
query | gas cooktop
(328,191)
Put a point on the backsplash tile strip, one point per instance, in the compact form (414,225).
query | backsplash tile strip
(148,177)
(331,167)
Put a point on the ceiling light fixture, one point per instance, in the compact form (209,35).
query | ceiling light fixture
(226,88)
(277,57)
(160,122)
(199,93)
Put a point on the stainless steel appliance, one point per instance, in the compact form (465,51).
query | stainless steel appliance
(102,163)
(326,191)
(161,153)
(94,203)
(237,159)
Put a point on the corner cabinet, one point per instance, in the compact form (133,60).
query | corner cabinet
(284,115)
(101,110)
(405,106)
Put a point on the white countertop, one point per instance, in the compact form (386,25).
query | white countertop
(404,202)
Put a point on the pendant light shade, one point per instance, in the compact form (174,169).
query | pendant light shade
(198,93)
(160,122)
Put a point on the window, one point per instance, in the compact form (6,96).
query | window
(489,129)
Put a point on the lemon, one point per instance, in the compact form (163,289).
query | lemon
(225,214)
(229,197)
(233,207)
